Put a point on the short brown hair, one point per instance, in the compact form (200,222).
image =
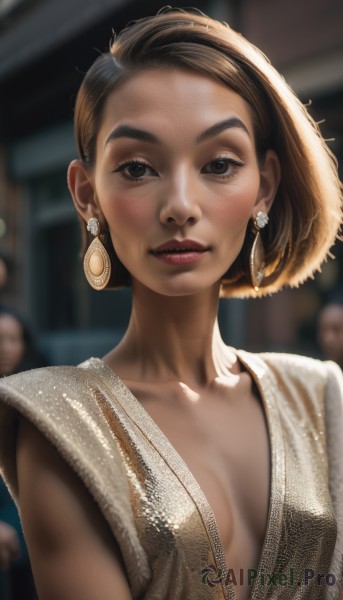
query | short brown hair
(307,211)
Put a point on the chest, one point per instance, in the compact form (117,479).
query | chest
(222,438)
(241,468)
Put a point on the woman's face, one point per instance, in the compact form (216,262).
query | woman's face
(177,178)
(11,344)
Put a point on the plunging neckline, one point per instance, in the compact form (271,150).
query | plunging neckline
(267,388)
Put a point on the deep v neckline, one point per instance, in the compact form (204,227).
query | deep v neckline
(267,388)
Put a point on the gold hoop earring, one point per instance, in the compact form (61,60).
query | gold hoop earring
(96,263)
(257,263)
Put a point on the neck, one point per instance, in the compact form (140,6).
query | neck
(173,338)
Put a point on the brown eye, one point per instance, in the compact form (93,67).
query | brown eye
(219,166)
(223,167)
(136,169)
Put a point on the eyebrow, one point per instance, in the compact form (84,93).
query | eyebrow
(214,130)
(126,131)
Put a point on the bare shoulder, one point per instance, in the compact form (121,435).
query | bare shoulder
(73,553)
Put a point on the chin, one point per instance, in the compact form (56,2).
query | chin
(182,286)
(179,293)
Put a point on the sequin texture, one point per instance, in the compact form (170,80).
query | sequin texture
(159,516)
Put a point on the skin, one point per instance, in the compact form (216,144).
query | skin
(172,356)
(11,344)
(330,332)
(11,351)
(3,274)
(9,546)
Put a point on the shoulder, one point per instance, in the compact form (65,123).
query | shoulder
(294,376)
(50,394)
(38,396)
(67,405)
(294,366)
(46,397)
(46,381)
(295,363)
(310,372)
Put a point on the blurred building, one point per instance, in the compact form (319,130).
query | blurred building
(304,40)
(45,47)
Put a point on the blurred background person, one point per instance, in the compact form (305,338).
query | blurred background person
(4,274)
(330,330)
(9,551)
(9,546)
(16,580)
(18,352)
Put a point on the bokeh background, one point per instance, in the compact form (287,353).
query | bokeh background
(45,47)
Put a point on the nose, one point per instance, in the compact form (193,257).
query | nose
(180,206)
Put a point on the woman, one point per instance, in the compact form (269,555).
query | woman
(177,467)
(330,330)
(18,352)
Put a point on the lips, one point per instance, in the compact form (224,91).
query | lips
(179,247)
(176,253)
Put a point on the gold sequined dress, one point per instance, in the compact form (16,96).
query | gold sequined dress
(159,516)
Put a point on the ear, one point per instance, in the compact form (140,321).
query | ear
(270,175)
(81,187)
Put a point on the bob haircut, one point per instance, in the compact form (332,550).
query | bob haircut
(307,211)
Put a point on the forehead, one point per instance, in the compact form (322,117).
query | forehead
(332,313)
(9,323)
(173,97)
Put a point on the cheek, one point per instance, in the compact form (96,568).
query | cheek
(123,214)
(235,209)
(18,349)
(128,220)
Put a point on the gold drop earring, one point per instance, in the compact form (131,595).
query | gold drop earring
(257,263)
(96,263)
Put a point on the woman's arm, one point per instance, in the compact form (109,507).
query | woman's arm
(73,553)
